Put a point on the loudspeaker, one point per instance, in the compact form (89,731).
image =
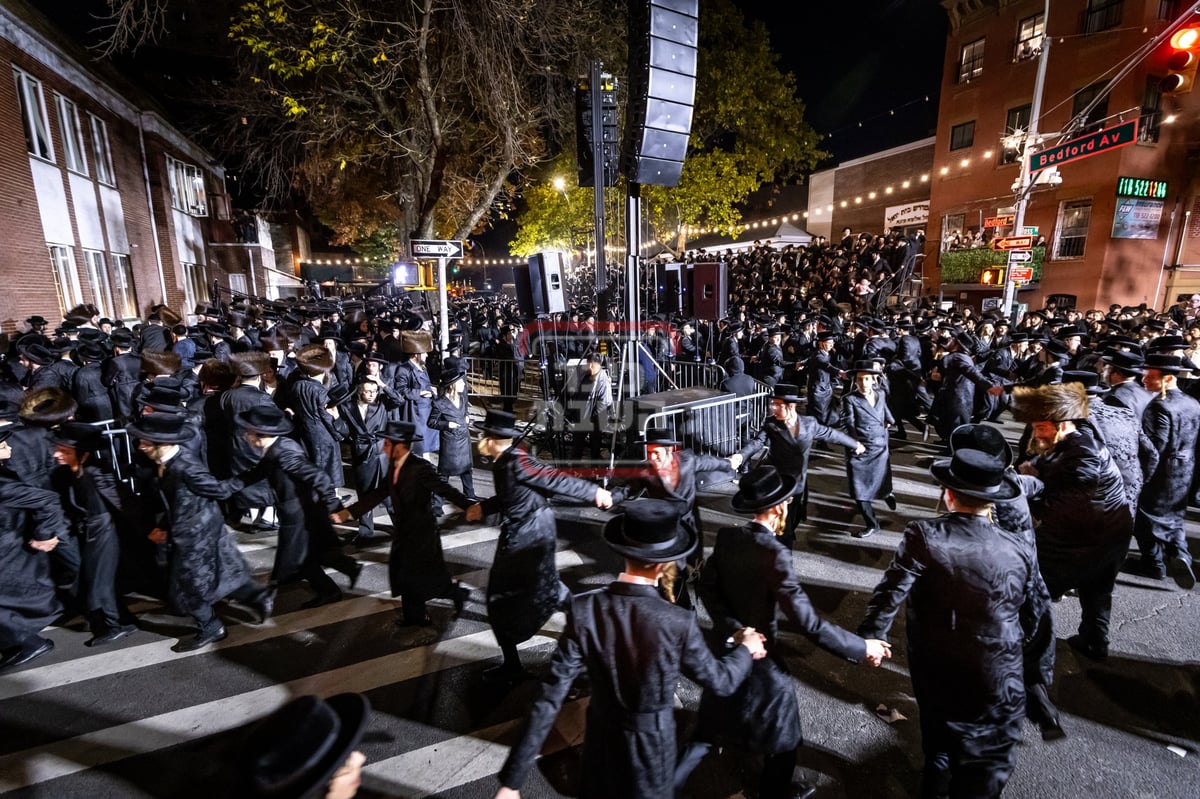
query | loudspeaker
(524,288)
(710,290)
(663,37)
(546,282)
(670,287)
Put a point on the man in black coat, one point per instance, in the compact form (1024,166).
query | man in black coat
(954,404)
(365,418)
(968,585)
(242,457)
(634,646)
(1083,513)
(119,373)
(822,374)
(745,582)
(1121,372)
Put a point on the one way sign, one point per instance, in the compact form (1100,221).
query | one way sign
(439,249)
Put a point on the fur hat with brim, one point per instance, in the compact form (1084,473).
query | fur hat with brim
(47,407)
(649,532)
(161,428)
(168,317)
(761,489)
(250,364)
(160,364)
(295,751)
(983,437)
(266,420)
(1054,403)
(416,341)
(974,473)
(314,360)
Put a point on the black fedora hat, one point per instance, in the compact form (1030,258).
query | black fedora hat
(870,367)
(1130,363)
(984,437)
(649,531)
(78,436)
(266,420)
(448,376)
(660,437)
(403,432)
(978,474)
(1167,364)
(340,394)
(1090,380)
(37,354)
(298,748)
(161,428)
(762,488)
(786,392)
(500,424)
(166,395)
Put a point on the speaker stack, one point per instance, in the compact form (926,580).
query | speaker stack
(663,38)
(670,283)
(539,286)
(710,290)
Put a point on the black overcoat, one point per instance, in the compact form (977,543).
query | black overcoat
(27,599)
(454,453)
(363,431)
(90,393)
(1172,423)
(870,474)
(822,374)
(315,428)
(789,454)
(745,582)
(304,498)
(633,645)
(955,400)
(242,456)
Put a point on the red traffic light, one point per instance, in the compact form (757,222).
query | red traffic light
(1186,39)
(1182,61)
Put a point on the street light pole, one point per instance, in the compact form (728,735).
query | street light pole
(1026,181)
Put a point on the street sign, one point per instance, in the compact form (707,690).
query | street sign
(1012,242)
(1029,230)
(1020,274)
(1092,144)
(1019,256)
(999,221)
(436,248)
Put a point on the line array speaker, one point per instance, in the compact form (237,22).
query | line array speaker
(663,39)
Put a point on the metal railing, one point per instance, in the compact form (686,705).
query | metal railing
(719,427)
(120,449)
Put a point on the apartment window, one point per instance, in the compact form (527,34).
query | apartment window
(962,135)
(1029,37)
(187,188)
(1150,122)
(952,226)
(195,284)
(1168,9)
(72,136)
(66,280)
(237,285)
(970,61)
(33,114)
(1016,123)
(97,274)
(1072,228)
(123,293)
(1095,119)
(101,154)
(1102,15)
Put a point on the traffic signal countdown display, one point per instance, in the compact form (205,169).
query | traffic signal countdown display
(992,276)
(1182,61)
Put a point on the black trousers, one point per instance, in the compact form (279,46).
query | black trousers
(1093,578)
(967,761)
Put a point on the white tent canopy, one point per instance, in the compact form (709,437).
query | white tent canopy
(786,234)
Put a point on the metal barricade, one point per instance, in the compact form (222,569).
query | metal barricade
(688,374)
(503,377)
(120,449)
(719,427)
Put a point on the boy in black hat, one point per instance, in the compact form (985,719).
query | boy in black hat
(968,676)
(626,635)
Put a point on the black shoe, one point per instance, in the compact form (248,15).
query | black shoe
(866,533)
(354,574)
(1042,712)
(201,640)
(890,501)
(1182,573)
(114,634)
(460,596)
(1087,648)
(265,606)
(29,651)
(505,675)
(405,621)
(322,599)
(802,790)
(1144,568)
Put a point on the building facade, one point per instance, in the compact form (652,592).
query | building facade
(106,201)
(1118,223)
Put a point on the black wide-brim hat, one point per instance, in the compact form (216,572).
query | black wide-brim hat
(761,489)
(403,432)
(265,420)
(295,751)
(649,531)
(984,437)
(870,367)
(786,392)
(978,474)
(161,428)
(78,436)
(660,437)
(499,424)
(1167,364)
(450,376)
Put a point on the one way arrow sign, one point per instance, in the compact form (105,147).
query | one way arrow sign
(440,249)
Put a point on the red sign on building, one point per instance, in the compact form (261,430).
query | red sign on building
(1020,274)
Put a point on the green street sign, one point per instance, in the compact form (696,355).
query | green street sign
(1092,144)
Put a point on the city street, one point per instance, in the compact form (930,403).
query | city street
(137,720)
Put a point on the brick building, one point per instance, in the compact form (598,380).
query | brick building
(1108,240)
(106,201)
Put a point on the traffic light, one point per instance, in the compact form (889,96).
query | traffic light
(992,276)
(426,276)
(1182,62)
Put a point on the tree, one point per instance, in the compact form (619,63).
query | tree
(748,130)
(406,119)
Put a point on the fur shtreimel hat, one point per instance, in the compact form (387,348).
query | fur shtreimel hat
(158,364)
(47,407)
(169,318)
(250,364)
(314,359)
(1055,403)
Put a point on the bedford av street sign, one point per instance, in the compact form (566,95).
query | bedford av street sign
(437,249)
(1092,144)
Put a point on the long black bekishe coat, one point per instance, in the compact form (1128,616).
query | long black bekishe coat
(454,453)
(27,599)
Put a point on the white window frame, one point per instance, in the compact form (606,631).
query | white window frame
(187,187)
(101,152)
(195,283)
(34,116)
(970,62)
(74,150)
(96,267)
(1067,230)
(124,294)
(66,278)
(1030,32)
(237,284)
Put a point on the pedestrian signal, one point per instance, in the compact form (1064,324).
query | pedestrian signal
(992,276)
